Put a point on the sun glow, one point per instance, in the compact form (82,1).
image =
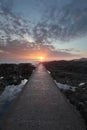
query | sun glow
(37,56)
(41,58)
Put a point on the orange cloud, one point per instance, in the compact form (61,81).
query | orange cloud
(33,51)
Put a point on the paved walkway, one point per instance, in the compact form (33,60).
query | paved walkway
(41,106)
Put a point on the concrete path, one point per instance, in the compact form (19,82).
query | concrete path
(41,106)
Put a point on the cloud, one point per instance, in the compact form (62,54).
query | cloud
(7,5)
(11,24)
(28,50)
(70,50)
(40,33)
(66,22)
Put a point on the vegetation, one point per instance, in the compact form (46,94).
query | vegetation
(72,73)
(14,73)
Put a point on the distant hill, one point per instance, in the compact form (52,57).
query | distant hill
(81,59)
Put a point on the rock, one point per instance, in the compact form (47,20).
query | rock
(2,86)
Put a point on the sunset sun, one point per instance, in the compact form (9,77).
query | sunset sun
(41,58)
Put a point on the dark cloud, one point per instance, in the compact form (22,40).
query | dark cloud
(60,21)
(11,25)
(7,5)
(65,23)
(40,33)
(70,50)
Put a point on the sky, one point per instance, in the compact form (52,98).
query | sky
(34,30)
